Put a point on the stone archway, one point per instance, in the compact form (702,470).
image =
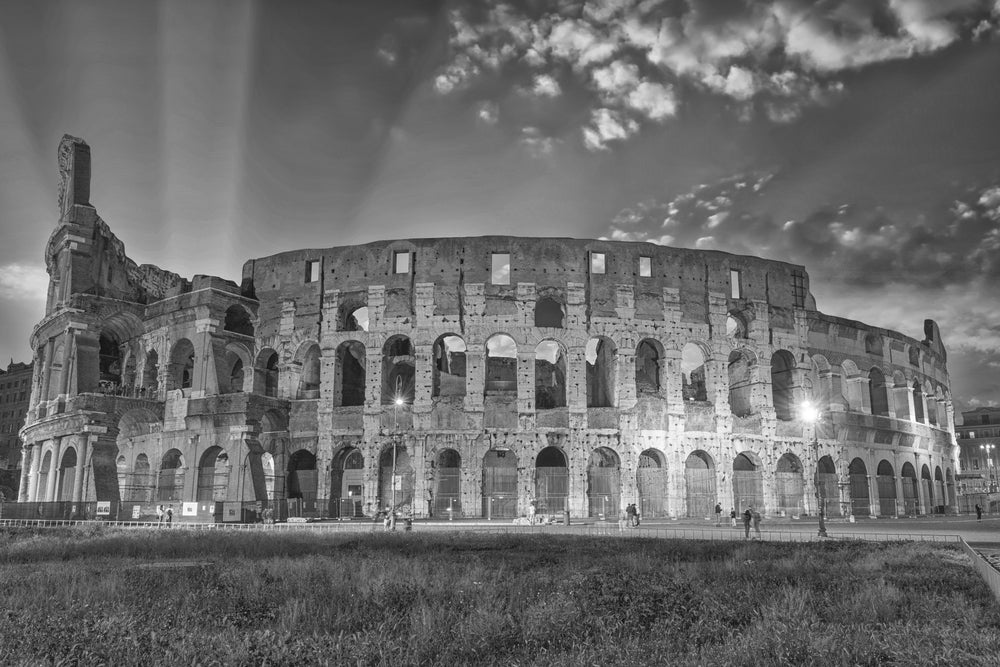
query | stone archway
(651,481)
(699,478)
(603,483)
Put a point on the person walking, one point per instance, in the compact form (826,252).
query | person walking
(732,517)
(979,512)
(746,522)
(718,514)
(159,514)
(169,514)
(630,514)
(756,524)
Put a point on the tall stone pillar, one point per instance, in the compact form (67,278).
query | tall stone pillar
(22,488)
(33,476)
(50,482)
(81,460)
(900,498)
(873,504)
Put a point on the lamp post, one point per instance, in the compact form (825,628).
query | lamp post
(990,470)
(395,444)
(811,415)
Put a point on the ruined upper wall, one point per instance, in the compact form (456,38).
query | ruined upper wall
(550,263)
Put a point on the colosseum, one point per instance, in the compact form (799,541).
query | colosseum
(468,377)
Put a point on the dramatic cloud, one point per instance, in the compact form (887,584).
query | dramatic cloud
(636,57)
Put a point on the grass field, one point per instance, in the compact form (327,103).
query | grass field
(103,596)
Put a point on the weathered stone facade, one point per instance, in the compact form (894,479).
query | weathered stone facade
(559,374)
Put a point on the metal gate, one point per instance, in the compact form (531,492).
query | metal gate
(886,495)
(603,491)
(860,505)
(928,498)
(551,490)
(910,495)
(748,489)
(652,483)
(500,492)
(701,495)
(829,491)
(447,492)
(789,487)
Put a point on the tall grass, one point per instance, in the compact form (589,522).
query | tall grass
(178,597)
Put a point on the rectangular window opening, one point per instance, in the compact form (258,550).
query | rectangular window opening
(312,270)
(645,267)
(597,262)
(401,262)
(799,289)
(500,269)
(735,286)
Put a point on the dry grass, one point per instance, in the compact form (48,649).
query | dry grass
(179,597)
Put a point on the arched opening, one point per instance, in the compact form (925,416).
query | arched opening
(550,376)
(402,500)
(347,483)
(310,378)
(857,472)
(940,498)
(150,375)
(238,321)
(740,384)
(651,481)
(271,375)
(446,500)
(302,483)
(398,370)
(349,383)
(828,487)
(213,475)
(918,403)
(121,468)
(500,484)
(928,487)
(182,364)
(356,319)
(782,384)
(551,481)
(789,485)
(694,377)
(878,392)
(748,482)
(648,359)
(699,478)
(548,313)
(236,376)
(885,480)
(873,344)
(170,481)
(501,366)
(601,372)
(910,494)
(932,409)
(914,355)
(67,470)
(603,483)
(449,366)
(735,326)
(110,361)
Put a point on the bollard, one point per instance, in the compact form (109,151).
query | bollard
(566,517)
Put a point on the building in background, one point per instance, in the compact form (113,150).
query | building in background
(15,391)
(979,459)
(471,377)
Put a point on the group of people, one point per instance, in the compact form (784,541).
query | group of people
(629,517)
(164,514)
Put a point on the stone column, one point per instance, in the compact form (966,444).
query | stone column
(22,488)
(81,459)
(922,501)
(47,371)
(873,503)
(900,498)
(50,482)
(69,355)
(35,464)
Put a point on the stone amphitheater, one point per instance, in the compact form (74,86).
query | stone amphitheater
(489,376)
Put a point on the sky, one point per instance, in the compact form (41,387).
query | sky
(859,138)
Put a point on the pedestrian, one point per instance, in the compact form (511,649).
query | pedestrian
(732,516)
(718,514)
(169,514)
(387,521)
(979,512)
(159,514)
(635,511)
(531,511)
(756,523)
(747,516)
(630,513)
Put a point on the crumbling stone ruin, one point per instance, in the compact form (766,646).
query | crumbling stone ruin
(496,374)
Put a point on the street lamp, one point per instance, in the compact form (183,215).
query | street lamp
(990,472)
(395,444)
(811,415)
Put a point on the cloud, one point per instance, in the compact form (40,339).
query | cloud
(488,112)
(23,282)
(778,57)
(606,126)
(536,143)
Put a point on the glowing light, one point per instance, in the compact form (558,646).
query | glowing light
(399,400)
(809,412)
